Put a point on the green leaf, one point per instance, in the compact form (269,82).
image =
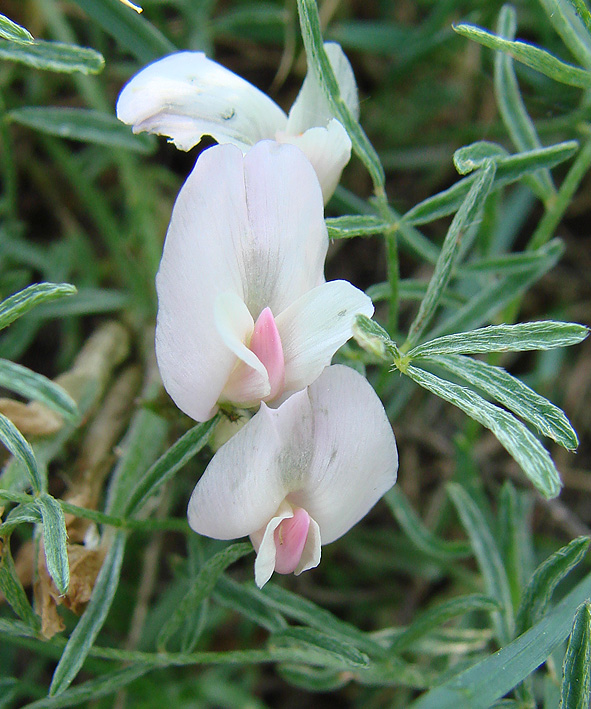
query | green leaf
(313,679)
(568,25)
(22,451)
(245,599)
(25,513)
(509,170)
(512,434)
(85,302)
(481,685)
(505,265)
(201,588)
(420,536)
(546,577)
(313,647)
(13,32)
(412,289)
(471,157)
(53,56)
(93,689)
(355,225)
(433,618)
(91,622)
(541,335)
(55,541)
(464,218)
(583,12)
(23,301)
(167,465)
(513,394)
(13,591)
(512,109)
(294,606)
(490,300)
(319,63)
(530,55)
(576,670)
(83,125)
(488,556)
(133,32)
(35,386)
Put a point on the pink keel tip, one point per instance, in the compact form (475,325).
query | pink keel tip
(266,345)
(290,539)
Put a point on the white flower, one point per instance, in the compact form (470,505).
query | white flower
(186,96)
(300,475)
(244,314)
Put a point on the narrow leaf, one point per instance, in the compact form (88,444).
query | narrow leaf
(201,589)
(246,600)
(133,32)
(167,465)
(412,289)
(55,541)
(514,394)
(546,577)
(23,301)
(576,670)
(490,300)
(530,55)
(567,23)
(53,56)
(319,63)
(85,302)
(25,513)
(509,170)
(512,434)
(83,125)
(93,689)
(466,215)
(488,556)
(511,106)
(35,386)
(471,157)
(91,622)
(420,536)
(314,647)
(11,31)
(13,590)
(295,606)
(490,679)
(355,225)
(21,450)
(433,618)
(542,335)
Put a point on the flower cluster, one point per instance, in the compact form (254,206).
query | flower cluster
(246,319)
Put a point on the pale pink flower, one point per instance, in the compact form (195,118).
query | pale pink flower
(186,96)
(299,476)
(244,313)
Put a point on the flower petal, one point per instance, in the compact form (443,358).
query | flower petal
(355,457)
(186,96)
(250,476)
(311,107)
(264,544)
(249,381)
(256,229)
(328,149)
(198,263)
(311,554)
(314,327)
(287,237)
